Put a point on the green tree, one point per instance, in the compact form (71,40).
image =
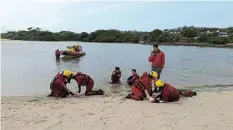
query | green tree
(230,37)
(189,32)
(203,38)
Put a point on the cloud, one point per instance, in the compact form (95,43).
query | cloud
(100,9)
(21,14)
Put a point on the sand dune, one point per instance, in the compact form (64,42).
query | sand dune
(207,111)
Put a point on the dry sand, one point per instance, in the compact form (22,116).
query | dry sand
(207,111)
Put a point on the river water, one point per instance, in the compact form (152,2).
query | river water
(27,67)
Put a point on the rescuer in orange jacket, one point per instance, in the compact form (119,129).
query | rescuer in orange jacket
(142,87)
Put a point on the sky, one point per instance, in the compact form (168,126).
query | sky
(86,16)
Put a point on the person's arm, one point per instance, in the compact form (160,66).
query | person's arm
(148,90)
(163,60)
(147,95)
(161,100)
(159,96)
(119,76)
(134,78)
(79,88)
(129,79)
(67,90)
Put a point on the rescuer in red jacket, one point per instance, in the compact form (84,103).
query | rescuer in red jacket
(58,84)
(168,93)
(85,80)
(157,59)
(142,86)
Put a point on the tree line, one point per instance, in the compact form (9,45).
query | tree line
(186,34)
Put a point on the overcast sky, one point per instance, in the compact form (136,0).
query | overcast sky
(79,16)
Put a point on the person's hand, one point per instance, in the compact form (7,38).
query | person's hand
(152,53)
(151,99)
(154,95)
(76,95)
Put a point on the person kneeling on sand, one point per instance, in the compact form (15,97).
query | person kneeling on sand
(133,78)
(142,87)
(167,93)
(116,75)
(58,84)
(86,80)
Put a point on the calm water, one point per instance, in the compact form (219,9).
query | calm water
(29,67)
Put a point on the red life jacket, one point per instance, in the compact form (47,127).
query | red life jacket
(57,87)
(57,53)
(135,77)
(58,76)
(139,83)
(169,93)
(82,79)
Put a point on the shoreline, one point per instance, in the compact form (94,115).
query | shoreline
(207,110)
(228,45)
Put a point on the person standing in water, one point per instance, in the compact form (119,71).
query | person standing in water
(116,75)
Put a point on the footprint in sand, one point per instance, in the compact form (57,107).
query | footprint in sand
(87,114)
(165,127)
(201,127)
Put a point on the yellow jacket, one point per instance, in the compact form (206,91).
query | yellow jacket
(71,49)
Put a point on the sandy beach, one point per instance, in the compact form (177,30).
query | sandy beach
(207,111)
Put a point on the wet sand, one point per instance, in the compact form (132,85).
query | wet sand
(207,111)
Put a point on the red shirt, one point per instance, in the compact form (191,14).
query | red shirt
(158,60)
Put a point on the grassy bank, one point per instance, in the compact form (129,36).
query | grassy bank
(186,36)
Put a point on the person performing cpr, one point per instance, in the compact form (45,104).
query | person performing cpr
(142,87)
(168,93)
